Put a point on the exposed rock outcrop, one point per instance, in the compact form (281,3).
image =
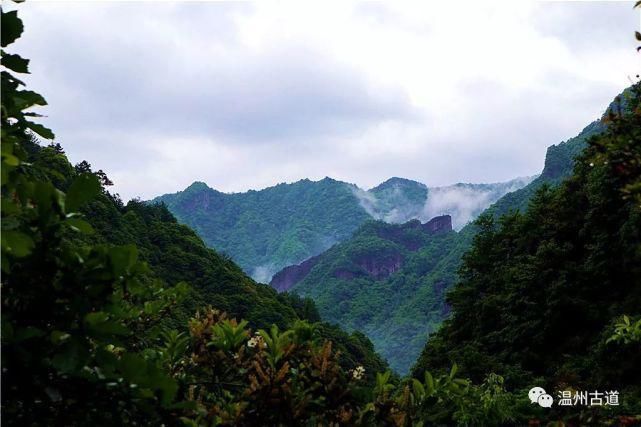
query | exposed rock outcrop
(289,276)
(378,267)
(438,224)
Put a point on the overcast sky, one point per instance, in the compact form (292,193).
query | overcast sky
(247,95)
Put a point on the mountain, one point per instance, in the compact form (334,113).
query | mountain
(551,295)
(291,220)
(264,231)
(559,161)
(387,280)
(396,200)
(400,310)
(176,254)
(399,200)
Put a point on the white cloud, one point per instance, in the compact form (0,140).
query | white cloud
(245,95)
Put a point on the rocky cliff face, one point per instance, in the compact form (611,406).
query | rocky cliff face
(289,276)
(439,224)
(380,268)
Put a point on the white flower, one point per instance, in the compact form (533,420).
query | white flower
(253,342)
(358,372)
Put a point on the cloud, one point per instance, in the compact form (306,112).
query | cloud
(465,202)
(584,26)
(246,95)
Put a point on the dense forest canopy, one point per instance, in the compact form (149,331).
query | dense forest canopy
(548,295)
(388,281)
(398,311)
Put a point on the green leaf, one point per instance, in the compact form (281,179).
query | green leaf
(71,357)
(27,333)
(80,225)
(16,243)
(107,360)
(59,337)
(123,258)
(28,98)
(12,27)
(418,388)
(133,367)
(43,131)
(10,159)
(429,382)
(453,371)
(84,188)
(100,323)
(15,63)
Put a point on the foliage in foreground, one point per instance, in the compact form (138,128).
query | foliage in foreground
(273,377)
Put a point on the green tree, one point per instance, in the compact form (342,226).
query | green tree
(74,316)
(539,291)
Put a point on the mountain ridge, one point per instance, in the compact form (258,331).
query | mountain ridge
(266,230)
(350,300)
(292,275)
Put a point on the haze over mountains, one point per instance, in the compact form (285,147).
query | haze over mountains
(267,230)
(387,280)
(399,200)
(354,252)
(390,280)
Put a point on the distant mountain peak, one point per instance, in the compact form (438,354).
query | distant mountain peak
(268,229)
(198,185)
(397,182)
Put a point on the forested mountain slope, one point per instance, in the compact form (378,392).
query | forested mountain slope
(94,334)
(264,231)
(388,280)
(176,254)
(399,312)
(542,293)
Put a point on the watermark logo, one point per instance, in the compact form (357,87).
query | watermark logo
(585,398)
(538,395)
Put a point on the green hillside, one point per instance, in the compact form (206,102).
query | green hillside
(388,281)
(176,254)
(399,312)
(264,231)
(118,314)
(551,295)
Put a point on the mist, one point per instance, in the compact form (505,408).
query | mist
(465,202)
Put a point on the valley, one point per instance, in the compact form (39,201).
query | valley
(339,245)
